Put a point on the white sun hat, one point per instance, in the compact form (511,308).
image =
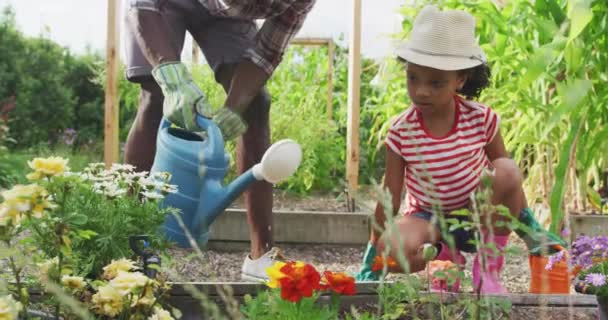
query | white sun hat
(443,40)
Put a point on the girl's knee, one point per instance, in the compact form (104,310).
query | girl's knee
(507,176)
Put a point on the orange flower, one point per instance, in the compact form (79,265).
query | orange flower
(378,264)
(339,282)
(448,268)
(296,280)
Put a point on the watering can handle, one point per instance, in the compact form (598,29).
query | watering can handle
(215,141)
(204,122)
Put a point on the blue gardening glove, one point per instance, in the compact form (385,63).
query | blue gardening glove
(366,273)
(230,123)
(183,98)
(537,239)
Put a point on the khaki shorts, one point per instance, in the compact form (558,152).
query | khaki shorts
(222,40)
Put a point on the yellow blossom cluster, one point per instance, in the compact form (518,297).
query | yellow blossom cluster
(23,201)
(47,167)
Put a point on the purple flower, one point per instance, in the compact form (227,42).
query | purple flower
(596,279)
(565,233)
(556,258)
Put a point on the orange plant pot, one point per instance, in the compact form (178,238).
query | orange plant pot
(554,281)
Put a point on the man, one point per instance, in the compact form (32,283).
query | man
(242,59)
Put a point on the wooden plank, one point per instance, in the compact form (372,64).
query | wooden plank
(354,79)
(111,152)
(591,225)
(523,306)
(294,227)
(330,80)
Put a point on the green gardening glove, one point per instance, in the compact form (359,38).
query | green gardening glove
(366,273)
(537,239)
(183,98)
(230,123)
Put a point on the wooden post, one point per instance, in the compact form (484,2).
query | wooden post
(111,152)
(330,79)
(352,129)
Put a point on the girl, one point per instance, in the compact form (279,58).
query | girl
(439,147)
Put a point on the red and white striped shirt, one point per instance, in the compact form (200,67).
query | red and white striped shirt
(441,172)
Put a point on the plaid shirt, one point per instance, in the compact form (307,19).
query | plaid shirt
(283,19)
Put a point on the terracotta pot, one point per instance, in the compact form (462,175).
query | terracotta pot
(554,281)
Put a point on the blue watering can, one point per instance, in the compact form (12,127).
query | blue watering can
(198,165)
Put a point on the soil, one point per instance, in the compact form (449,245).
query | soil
(216,265)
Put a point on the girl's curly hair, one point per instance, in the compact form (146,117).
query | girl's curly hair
(478,78)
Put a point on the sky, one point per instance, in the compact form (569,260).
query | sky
(78,26)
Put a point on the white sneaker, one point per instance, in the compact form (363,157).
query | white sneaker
(255,270)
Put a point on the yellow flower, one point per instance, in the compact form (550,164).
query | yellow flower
(9,308)
(52,166)
(125,282)
(73,282)
(30,199)
(160,314)
(274,274)
(8,216)
(111,271)
(47,266)
(108,301)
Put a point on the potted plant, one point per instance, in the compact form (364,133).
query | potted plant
(588,263)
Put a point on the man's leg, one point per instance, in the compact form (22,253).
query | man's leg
(140,146)
(223,41)
(250,149)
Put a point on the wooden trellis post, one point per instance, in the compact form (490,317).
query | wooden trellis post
(354,83)
(111,151)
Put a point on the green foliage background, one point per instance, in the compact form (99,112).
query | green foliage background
(548,60)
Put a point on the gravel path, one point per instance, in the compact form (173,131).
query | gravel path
(226,266)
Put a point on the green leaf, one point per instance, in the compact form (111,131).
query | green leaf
(86,234)
(594,198)
(78,219)
(571,95)
(580,14)
(539,62)
(561,175)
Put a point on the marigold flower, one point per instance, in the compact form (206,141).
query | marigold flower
(47,167)
(441,266)
(9,308)
(275,274)
(111,271)
(300,281)
(339,282)
(378,264)
(295,278)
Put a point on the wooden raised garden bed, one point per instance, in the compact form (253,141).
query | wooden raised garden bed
(524,306)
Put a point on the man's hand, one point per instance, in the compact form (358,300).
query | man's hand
(183,98)
(366,273)
(230,123)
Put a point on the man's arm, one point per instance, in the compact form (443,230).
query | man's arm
(260,62)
